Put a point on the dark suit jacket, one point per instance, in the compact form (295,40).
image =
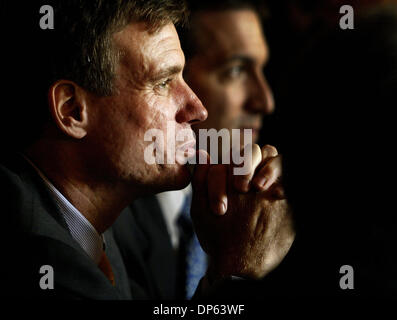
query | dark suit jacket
(34,234)
(145,245)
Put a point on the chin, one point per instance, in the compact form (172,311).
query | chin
(181,178)
(170,178)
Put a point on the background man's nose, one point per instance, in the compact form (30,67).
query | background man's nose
(193,110)
(261,96)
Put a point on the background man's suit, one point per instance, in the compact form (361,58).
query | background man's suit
(144,233)
(142,236)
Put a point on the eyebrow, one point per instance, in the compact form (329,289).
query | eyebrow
(167,72)
(243,58)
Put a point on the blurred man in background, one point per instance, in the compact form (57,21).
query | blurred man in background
(226,52)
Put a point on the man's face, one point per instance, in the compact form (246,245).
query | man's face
(227,70)
(150,93)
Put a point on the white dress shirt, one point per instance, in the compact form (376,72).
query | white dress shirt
(171,203)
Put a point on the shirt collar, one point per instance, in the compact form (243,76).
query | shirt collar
(79,227)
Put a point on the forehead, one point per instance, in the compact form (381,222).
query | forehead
(231,32)
(146,52)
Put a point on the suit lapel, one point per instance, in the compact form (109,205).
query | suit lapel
(75,273)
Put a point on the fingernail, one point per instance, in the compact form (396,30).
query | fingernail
(261,182)
(218,208)
(223,205)
(266,185)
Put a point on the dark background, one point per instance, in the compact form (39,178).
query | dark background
(334,123)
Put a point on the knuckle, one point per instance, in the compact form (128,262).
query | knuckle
(267,172)
(269,151)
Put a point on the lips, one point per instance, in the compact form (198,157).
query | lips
(185,151)
(188,145)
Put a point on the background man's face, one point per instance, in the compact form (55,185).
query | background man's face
(150,92)
(226,72)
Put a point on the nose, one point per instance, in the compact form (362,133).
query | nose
(193,110)
(261,96)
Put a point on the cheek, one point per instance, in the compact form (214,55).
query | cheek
(126,124)
(160,115)
(236,97)
(157,121)
(224,104)
(149,112)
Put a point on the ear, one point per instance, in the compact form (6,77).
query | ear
(68,107)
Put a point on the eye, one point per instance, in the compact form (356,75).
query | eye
(233,73)
(164,84)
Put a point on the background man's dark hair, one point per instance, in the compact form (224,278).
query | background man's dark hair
(79,48)
(189,34)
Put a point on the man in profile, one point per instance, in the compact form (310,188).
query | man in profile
(90,89)
(225,51)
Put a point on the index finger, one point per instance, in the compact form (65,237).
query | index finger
(252,158)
